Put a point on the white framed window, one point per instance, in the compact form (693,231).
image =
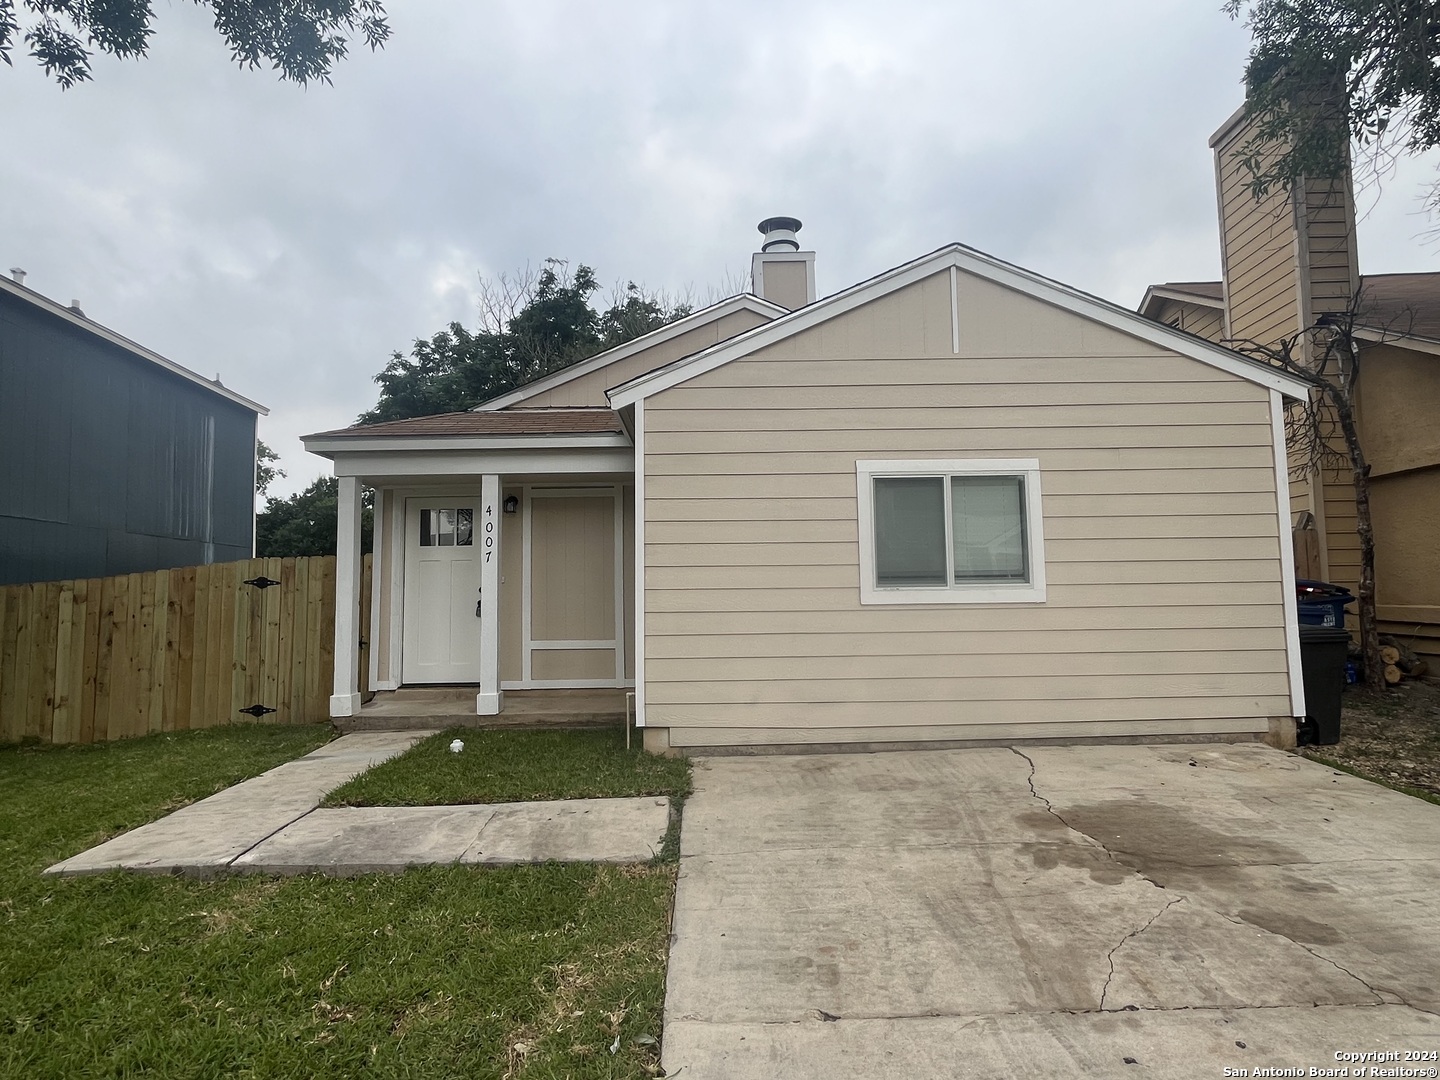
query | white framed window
(950,531)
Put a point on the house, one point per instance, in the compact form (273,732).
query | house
(116,460)
(1287,261)
(956,502)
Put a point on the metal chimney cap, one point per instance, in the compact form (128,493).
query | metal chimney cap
(779,232)
(18,274)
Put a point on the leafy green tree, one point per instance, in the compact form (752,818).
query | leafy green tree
(305,523)
(301,39)
(266,471)
(531,324)
(1323,72)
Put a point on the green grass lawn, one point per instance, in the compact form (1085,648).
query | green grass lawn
(520,971)
(515,766)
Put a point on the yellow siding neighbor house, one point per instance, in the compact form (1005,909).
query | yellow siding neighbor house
(1288,259)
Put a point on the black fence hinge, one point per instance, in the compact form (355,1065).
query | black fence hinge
(261,582)
(257,710)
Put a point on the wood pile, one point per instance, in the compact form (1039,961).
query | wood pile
(1400,661)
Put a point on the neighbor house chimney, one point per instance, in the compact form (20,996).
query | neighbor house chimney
(780,272)
(1286,258)
(18,275)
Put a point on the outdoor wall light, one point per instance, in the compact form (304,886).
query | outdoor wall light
(512,503)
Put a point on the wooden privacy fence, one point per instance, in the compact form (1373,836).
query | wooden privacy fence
(107,658)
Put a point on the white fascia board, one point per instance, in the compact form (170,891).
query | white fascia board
(428,465)
(1378,336)
(1157,292)
(693,321)
(402,444)
(983,266)
(136,349)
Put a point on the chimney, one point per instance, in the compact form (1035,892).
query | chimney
(780,272)
(18,275)
(75,308)
(1286,258)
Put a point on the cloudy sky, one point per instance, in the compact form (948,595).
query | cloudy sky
(289,239)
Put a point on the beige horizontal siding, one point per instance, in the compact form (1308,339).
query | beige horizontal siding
(1097,597)
(843,509)
(874,687)
(1033,646)
(1161,536)
(831,485)
(1198,319)
(1258,250)
(1059,528)
(771,576)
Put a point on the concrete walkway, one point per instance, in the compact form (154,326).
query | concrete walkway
(271,824)
(1139,911)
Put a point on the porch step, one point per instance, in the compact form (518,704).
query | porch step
(435,721)
(417,708)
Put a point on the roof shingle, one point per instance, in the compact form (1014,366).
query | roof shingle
(506,422)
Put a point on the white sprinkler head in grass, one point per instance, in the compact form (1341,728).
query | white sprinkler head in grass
(456,746)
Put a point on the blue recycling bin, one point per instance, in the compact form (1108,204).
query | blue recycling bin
(1321,603)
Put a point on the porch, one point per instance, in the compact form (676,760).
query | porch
(429,707)
(504,550)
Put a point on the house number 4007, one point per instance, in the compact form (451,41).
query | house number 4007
(489,532)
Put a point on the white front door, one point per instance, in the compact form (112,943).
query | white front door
(442,591)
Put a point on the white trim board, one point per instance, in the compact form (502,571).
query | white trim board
(52,307)
(330,445)
(969,261)
(693,321)
(639,431)
(1287,555)
(379,467)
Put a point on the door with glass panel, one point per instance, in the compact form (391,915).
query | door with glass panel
(442,591)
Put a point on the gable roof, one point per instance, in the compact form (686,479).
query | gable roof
(74,318)
(1399,306)
(658,336)
(983,266)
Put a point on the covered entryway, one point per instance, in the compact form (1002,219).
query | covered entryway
(504,548)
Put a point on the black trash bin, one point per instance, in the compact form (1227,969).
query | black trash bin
(1323,650)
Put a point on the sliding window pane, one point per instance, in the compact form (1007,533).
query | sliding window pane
(988,528)
(909,531)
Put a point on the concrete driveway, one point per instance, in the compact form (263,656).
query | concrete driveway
(1129,911)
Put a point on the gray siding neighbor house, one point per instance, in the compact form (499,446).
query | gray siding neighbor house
(113,459)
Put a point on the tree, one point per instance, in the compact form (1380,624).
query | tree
(1323,72)
(305,523)
(531,323)
(266,471)
(301,39)
(1322,434)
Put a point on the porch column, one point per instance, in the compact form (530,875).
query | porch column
(345,700)
(489,700)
